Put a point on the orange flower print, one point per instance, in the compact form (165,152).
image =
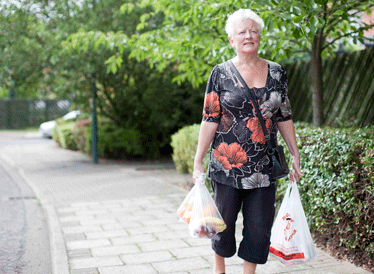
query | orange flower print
(257,133)
(230,156)
(226,121)
(211,105)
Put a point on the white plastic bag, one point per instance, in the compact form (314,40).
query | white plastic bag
(200,212)
(291,241)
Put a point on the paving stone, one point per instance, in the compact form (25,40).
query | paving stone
(187,251)
(172,235)
(133,239)
(106,234)
(87,244)
(177,226)
(162,221)
(202,271)
(147,257)
(75,237)
(234,260)
(108,205)
(162,245)
(67,224)
(98,222)
(113,202)
(65,214)
(95,262)
(70,209)
(91,212)
(147,230)
(115,250)
(85,271)
(137,202)
(128,269)
(197,241)
(158,213)
(81,229)
(270,267)
(118,226)
(84,204)
(79,253)
(135,218)
(181,265)
(127,209)
(159,206)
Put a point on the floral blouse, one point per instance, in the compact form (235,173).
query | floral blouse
(238,154)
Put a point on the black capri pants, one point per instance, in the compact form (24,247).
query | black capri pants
(258,215)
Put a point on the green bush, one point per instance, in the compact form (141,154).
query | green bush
(184,144)
(80,133)
(63,134)
(337,187)
(113,142)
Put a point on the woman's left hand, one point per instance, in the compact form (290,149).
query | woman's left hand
(296,172)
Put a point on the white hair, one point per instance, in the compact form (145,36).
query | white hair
(241,15)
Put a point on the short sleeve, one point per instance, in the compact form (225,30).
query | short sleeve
(284,113)
(212,106)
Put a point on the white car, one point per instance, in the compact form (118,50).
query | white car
(46,128)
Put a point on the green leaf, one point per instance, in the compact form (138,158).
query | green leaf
(339,12)
(297,19)
(320,2)
(296,33)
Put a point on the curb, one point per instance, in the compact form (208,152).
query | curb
(59,258)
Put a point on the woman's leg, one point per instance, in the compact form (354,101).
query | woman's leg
(249,268)
(219,264)
(258,213)
(228,202)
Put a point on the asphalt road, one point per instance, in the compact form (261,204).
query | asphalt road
(24,242)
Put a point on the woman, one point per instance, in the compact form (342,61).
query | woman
(239,167)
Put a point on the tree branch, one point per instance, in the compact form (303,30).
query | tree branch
(347,34)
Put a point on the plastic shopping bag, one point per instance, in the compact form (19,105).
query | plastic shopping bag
(200,212)
(291,241)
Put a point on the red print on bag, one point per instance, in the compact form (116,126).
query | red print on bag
(289,232)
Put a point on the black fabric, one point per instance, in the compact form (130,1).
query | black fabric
(258,215)
(238,154)
(279,167)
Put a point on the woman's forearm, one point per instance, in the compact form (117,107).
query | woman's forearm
(206,135)
(287,131)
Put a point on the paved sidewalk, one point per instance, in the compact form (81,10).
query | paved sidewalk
(121,218)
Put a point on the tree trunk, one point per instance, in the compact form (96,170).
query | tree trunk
(317,81)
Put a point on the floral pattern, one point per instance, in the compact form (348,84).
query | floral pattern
(238,152)
(230,155)
(257,132)
(211,105)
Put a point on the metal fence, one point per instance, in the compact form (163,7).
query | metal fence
(22,113)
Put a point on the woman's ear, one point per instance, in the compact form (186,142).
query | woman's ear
(231,42)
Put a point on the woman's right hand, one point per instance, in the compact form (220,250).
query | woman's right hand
(197,168)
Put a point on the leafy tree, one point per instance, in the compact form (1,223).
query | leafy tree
(193,38)
(22,41)
(130,93)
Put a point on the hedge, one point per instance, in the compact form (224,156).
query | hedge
(113,141)
(184,144)
(337,187)
(63,134)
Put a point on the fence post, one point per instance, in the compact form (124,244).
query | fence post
(94,121)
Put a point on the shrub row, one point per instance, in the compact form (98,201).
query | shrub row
(337,187)
(113,142)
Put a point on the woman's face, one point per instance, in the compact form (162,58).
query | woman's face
(246,38)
